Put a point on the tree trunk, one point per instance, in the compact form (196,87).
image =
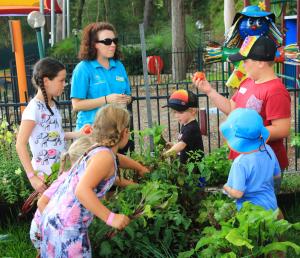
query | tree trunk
(147,13)
(178,42)
(79,14)
(229,13)
(105,2)
(59,23)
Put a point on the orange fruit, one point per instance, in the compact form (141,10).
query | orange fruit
(87,129)
(199,75)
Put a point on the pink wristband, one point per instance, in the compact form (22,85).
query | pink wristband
(110,218)
(30,175)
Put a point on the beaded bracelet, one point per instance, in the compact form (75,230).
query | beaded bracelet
(110,218)
(30,175)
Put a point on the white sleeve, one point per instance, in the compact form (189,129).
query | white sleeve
(30,112)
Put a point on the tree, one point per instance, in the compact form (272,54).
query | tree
(79,14)
(178,42)
(229,12)
(147,13)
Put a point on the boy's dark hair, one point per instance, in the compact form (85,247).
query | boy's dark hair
(46,67)
(90,36)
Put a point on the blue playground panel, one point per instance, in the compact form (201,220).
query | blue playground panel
(291,37)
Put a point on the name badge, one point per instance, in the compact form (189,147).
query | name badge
(101,81)
(120,79)
(243,90)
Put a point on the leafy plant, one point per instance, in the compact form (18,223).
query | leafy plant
(290,182)
(215,167)
(252,231)
(14,186)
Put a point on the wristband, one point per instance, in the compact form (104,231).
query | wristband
(110,218)
(105,100)
(30,175)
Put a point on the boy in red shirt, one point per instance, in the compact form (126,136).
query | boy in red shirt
(262,91)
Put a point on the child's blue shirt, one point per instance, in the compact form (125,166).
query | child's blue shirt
(253,174)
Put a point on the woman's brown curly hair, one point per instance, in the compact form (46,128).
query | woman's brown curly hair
(90,36)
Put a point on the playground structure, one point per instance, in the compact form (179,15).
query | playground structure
(24,7)
(45,7)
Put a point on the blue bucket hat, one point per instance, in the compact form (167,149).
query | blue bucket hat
(253,11)
(244,130)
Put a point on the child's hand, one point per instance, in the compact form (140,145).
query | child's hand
(143,170)
(120,221)
(38,184)
(170,153)
(169,145)
(202,85)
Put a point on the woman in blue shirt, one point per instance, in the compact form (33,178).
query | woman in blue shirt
(100,77)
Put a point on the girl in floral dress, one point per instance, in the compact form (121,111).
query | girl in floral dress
(75,151)
(66,218)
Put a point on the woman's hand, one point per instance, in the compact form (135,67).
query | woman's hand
(120,221)
(118,98)
(38,184)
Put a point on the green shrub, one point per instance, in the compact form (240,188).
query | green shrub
(67,48)
(215,167)
(14,185)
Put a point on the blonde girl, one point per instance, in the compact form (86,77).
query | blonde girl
(66,218)
(68,158)
(41,123)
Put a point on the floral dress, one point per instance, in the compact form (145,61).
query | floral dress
(65,220)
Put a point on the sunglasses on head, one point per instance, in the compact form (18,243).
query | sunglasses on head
(108,41)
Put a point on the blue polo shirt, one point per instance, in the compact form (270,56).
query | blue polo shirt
(90,80)
(253,174)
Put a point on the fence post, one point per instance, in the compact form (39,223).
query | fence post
(203,121)
(200,58)
(146,82)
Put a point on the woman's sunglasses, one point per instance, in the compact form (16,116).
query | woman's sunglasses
(108,41)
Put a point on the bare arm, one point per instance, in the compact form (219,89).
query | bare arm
(126,162)
(42,203)
(72,135)
(222,103)
(232,192)
(24,133)
(177,147)
(88,104)
(92,177)
(280,128)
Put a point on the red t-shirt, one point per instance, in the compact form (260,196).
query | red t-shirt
(272,101)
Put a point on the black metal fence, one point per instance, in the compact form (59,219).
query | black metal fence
(209,116)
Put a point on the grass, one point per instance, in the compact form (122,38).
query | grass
(15,241)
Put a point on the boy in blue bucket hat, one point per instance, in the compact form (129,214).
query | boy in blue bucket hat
(251,177)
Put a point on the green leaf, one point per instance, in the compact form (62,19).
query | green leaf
(229,255)
(280,246)
(296,226)
(186,254)
(235,238)
(203,242)
(105,249)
